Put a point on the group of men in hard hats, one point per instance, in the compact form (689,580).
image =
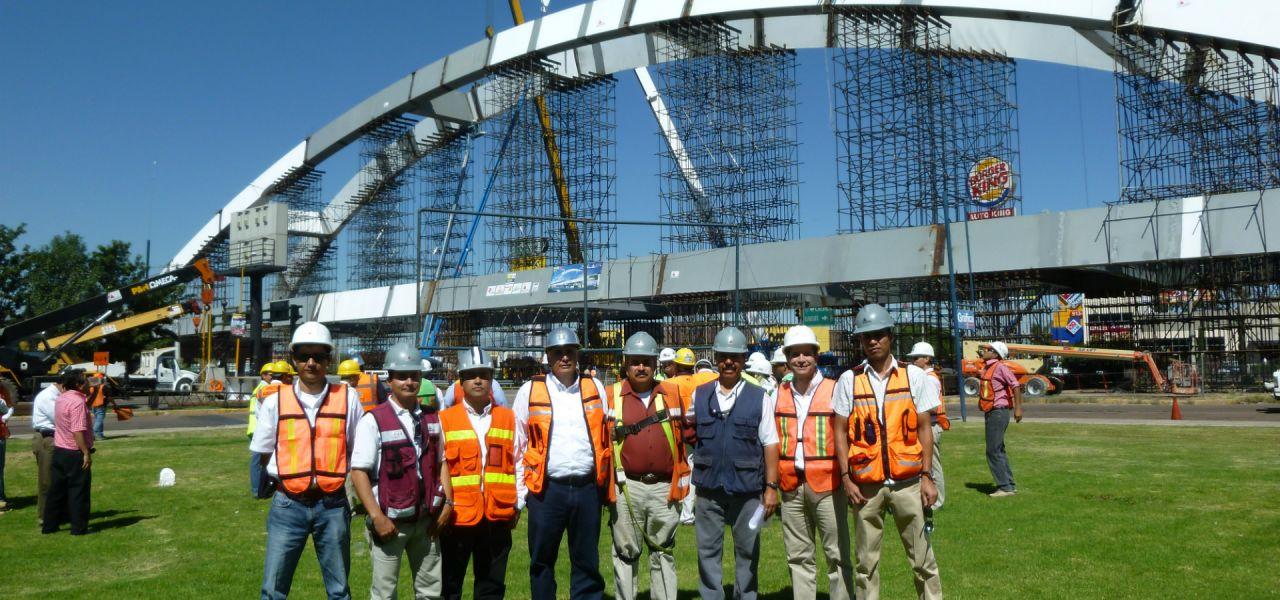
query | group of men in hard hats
(569,450)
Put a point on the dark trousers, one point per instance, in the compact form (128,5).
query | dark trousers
(576,507)
(997,421)
(485,546)
(68,493)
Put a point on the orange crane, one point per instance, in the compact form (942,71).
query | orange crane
(1037,384)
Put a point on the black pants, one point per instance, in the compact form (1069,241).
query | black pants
(485,546)
(68,493)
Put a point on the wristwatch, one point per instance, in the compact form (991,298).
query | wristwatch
(772,484)
(927,474)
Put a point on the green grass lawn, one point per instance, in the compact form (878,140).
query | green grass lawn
(1103,512)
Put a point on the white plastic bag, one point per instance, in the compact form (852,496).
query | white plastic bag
(167,477)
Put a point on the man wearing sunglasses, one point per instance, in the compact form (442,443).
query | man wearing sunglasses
(304,433)
(482,467)
(568,469)
(883,410)
(735,468)
(396,471)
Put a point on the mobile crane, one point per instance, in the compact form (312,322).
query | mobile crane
(27,354)
(1037,384)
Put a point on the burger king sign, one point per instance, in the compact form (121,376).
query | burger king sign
(991,185)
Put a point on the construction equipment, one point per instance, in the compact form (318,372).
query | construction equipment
(1036,384)
(151,317)
(25,352)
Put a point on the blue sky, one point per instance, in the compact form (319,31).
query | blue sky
(139,120)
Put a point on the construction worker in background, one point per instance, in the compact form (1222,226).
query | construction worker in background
(483,466)
(365,384)
(999,394)
(395,469)
(453,392)
(922,356)
(682,375)
(428,396)
(761,372)
(349,372)
(305,432)
(286,372)
(781,372)
(96,391)
(266,386)
(883,410)
(808,472)
(568,469)
(735,467)
(652,472)
(666,364)
(42,417)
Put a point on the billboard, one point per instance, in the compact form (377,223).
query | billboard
(1069,325)
(990,186)
(568,278)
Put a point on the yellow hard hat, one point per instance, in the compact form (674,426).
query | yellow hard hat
(267,368)
(281,367)
(288,368)
(348,367)
(686,357)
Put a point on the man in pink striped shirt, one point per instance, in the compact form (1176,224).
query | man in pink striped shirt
(72,458)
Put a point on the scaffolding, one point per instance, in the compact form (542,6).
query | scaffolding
(559,161)
(734,110)
(1193,120)
(444,176)
(300,189)
(381,245)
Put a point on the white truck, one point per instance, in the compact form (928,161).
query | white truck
(158,370)
(1274,385)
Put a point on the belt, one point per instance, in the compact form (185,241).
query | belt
(313,496)
(45,432)
(649,477)
(800,476)
(573,480)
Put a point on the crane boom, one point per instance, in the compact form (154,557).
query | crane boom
(971,346)
(164,313)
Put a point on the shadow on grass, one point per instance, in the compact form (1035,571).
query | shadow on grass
(21,502)
(102,520)
(1269,410)
(984,488)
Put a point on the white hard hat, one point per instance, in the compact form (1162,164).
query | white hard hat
(1001,348)
(799,335)
(667,355)
(311,332)
(921,349)
(779,357)
(757,365)
(426,366)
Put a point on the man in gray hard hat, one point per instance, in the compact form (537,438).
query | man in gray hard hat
(887,446)
(568,469)
(395,469)
(735,468)
(653,476)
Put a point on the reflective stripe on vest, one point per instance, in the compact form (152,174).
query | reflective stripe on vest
(492,496)
(986,393)
(888,448)
(368,390)
(680,471)
(538,432)
(308,455)
(819,439)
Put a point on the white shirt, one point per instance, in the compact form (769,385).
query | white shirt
(645,398)
(934,384)
(570,453)
(480,422)
(42,408)
(499,397)
(925,396)
(767,432)
(366,453)
(264,436)
(802,402)
(8,411)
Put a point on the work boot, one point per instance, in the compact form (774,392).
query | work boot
(1002,493)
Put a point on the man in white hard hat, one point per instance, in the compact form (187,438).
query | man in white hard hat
(568,469)
(922,356)
(762,373)
(781,372)
(887,447)
(813,499)
(666,364)
(999,394)
(305,432)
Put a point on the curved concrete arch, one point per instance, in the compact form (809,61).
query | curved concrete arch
(608,36)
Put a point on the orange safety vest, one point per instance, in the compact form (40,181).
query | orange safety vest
(312,456)
(941,415)
(488,493)
(538,433)
(368,390)
(97,392)
(819,439)
(986,393)
(268,389)
(889,448)
(680,472)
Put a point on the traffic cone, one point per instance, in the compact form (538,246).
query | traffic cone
(1177,412)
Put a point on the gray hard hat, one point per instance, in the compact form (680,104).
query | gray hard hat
(872,317)
(561,336)
(403,357)
(640,344)
(472,359)
(730,340)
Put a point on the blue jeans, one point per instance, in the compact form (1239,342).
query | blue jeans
(256,472)
(99,415)
(560,507)
(289,522)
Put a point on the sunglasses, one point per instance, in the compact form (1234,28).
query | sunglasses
(303,357)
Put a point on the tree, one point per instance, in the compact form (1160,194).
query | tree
(13,280)
(59,274)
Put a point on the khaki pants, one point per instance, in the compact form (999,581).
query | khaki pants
(644,517)
(424,559)
(804,511)
(42,448)
(938,481)
(908,515)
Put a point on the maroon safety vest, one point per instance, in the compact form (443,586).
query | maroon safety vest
(401,493)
